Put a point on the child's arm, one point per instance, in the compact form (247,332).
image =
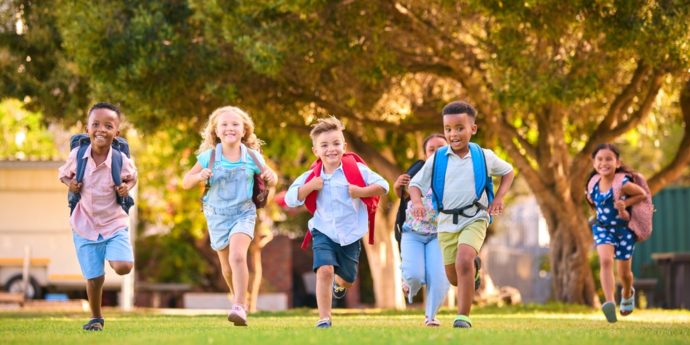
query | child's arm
(496,206)
(269,176)
(67,173)
(195,175)
(418,210)
(400,183)
(634,194)
(315,183)
(71,183)
(365,192)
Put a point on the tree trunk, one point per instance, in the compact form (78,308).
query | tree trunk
(384,262)
(570,245)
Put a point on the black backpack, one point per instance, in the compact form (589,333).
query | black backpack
(400,216)
(120,147)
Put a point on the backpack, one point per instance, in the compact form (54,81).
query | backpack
(482,182)
(641,214)
(402,208)
(353,176)
(120,147)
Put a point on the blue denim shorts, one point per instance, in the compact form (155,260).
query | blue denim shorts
(92,254)
(225,222)
(344,259)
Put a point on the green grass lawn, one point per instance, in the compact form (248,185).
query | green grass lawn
(510,325)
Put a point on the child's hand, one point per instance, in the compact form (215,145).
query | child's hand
(354,191)
(269,176)
(496,207)
(122,190)
(205,174)
(418,211)
(622,212)
(74,187)
(315,184)
(402,181)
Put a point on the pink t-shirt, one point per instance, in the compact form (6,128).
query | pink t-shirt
(97,212)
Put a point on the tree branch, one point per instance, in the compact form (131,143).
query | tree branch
(680,163)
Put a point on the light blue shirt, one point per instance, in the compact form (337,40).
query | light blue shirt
(337,215)
(245,161)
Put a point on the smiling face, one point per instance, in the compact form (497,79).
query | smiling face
(103,127)
(458,129)
(606,162)
(434,144)
(330,146)
(229,128)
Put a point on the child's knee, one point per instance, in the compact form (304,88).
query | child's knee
(238,258)
(451,275)
(325,272)
(465,265)
(606,262)
(122,267)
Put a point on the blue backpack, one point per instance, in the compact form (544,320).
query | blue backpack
(120,147)
(482,182)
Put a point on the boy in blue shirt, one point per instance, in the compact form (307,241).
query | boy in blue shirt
(341,217)
(461,238)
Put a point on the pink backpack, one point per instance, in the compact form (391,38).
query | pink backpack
(640,221)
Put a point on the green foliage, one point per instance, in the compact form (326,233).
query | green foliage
(23,133)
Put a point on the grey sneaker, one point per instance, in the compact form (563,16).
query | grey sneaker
(609,309)
(462,321)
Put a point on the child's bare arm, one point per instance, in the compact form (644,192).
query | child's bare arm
(71,184)
(195,175)
(400,183)
(496,206)
(365,192)
(418,210)
(634,194)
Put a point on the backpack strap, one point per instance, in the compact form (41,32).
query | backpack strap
(207,185)
(354,176)
(73,198)
(482,181)
(438,176)
(310,200)
(261,167)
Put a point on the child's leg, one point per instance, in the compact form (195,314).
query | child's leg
(239,244)
(412,252)
(464,268)
(94,292)
(436,282)
(606,271)
(324,287)
(626,275)
(342,282)
(224,258)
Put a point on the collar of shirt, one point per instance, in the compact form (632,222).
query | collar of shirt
(108,159)
(327,176)
(451,152)
(219,152)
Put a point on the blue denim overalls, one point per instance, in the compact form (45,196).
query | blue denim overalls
(228,206)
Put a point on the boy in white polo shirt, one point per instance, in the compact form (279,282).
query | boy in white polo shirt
(461,233)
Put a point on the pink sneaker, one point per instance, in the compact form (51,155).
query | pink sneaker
(238,315)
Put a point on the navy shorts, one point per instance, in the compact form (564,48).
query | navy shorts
(344,259)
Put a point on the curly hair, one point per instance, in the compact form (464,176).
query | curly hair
(210,139)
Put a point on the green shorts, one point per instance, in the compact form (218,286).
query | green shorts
(472,235)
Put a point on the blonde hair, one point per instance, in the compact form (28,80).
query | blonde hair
(210,139)
(324,125)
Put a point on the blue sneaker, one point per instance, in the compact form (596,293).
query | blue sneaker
(338,291)
(95,324)
(324,323)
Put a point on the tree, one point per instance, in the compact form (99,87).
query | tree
(550,79)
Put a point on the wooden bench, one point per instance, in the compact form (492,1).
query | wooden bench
(12,297)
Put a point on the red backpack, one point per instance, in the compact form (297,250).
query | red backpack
(640,221)
(353,176)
